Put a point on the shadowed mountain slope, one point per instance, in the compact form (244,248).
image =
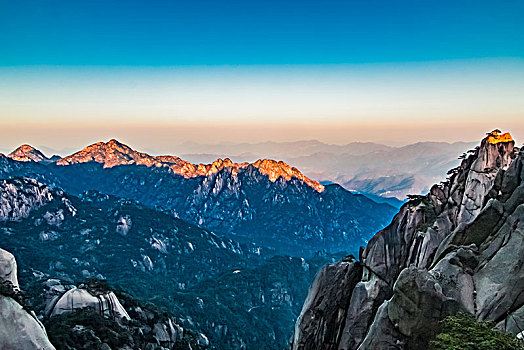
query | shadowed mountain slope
(205,281)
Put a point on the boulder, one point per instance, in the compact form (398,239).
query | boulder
(19,327)
(389,336)
(15,320)
(106,304)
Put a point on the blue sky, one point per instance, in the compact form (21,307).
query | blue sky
(396,71)
(151,33)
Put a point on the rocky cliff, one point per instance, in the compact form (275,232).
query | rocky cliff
(18,197)
(459,248)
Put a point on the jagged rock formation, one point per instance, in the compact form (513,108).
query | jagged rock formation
(460,248)
(267,203)
(20,329)
(8,268)
(18,197)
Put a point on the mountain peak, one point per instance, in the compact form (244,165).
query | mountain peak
(111,153)
(496,150)
(275,169)
(27,153)
(114,143)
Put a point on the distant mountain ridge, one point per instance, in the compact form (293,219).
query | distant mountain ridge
(114,153)
(280,149)
(364,167)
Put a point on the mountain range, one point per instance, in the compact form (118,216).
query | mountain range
(267,202)
(118,249)
(362,167)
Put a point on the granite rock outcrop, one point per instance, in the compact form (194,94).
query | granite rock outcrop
(459,248)
(20,329)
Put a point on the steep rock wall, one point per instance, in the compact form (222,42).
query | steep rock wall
(457,249)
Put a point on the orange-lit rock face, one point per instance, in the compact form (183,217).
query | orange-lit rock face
(275,169)
(113,153)
(496,137)
(26,153)
(110,154)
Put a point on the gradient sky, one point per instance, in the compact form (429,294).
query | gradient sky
(156,73)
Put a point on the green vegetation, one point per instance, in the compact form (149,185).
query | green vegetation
(464,332)
(7,289)
(87,328)
(427,207)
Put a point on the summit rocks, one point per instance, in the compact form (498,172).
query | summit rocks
(27,153)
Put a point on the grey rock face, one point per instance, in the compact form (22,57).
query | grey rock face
(19,328)
(123,225)
(20,197)
(417,305)
(454,273)
(314,324)
(500,275)
(460,248)
(8,268)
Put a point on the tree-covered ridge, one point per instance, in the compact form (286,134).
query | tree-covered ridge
(205,281)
